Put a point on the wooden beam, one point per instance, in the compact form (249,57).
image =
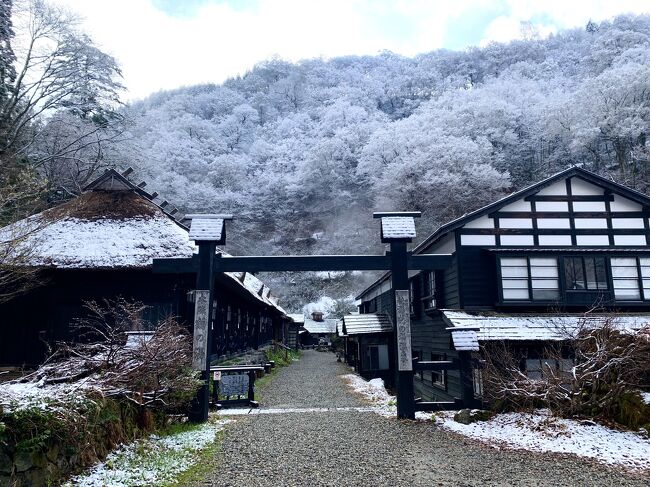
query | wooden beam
(302,263)
(551,231)
(566,214)
(422,365)
(605,197)
(176,266)
(325,263)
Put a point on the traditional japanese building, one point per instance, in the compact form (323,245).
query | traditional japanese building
(101,245)
(315,328)
(525,270)
(368,344)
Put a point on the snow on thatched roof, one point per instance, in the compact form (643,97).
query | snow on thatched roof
(113,225)
(101,230)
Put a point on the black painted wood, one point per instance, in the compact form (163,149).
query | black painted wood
(604,197)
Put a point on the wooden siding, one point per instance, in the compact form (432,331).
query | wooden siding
(449,286)
(428,336)
(478,280)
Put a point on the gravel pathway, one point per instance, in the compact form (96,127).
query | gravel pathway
(351,448)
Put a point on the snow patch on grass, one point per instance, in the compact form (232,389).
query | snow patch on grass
(542,432)
(152,461)
(19,396)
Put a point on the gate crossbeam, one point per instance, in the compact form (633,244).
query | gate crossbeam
(303,263)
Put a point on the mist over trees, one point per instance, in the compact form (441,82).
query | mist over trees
(302,153)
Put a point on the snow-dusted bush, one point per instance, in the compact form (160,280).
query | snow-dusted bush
(152,370)
(608,367)
(92,395)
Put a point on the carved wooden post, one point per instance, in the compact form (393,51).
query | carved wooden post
(207,231)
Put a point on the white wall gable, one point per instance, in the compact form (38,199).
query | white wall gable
(578,214)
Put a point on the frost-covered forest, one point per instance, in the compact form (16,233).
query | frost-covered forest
(303,153)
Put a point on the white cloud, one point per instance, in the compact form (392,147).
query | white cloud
(158,51)
(557,14)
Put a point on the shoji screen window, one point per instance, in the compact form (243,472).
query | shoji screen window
(631,276)
(526,278)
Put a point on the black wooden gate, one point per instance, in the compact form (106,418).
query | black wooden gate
(397,229)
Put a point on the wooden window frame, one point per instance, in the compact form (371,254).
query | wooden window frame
(639,280)
(583,261)
(442,384)
(529,278)
(429,284)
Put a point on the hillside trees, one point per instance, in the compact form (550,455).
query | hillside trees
(303,153)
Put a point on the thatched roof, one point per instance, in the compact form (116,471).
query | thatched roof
(101,230)
(113,225)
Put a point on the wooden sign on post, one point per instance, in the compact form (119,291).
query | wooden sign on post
(403,318)
(201,323)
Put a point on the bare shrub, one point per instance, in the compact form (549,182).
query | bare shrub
(153,370)
(609,363)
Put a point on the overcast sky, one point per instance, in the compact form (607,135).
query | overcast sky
(163,44)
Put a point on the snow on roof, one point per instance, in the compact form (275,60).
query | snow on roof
(206,227)
(327,326)
(362,324)
(465,340)
(398,227)
(102,243)
(297,317)
(110,230)
(253,285)
(468,329)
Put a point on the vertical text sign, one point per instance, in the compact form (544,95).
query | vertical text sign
(403,318)
(201,323)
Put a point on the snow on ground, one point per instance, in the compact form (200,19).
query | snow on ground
(374,392)
(538,431)
(151,461)
(543,433)
(17,396)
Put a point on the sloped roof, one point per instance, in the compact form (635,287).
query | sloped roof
(327,326)
(368,323)
(206,227)
(297,317)
(468,329)
(532,189)
(69,237)
(113,225)
(573,171)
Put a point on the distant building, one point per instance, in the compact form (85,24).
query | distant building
(368,344)
(317,327)
(524,271)
(100,245)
